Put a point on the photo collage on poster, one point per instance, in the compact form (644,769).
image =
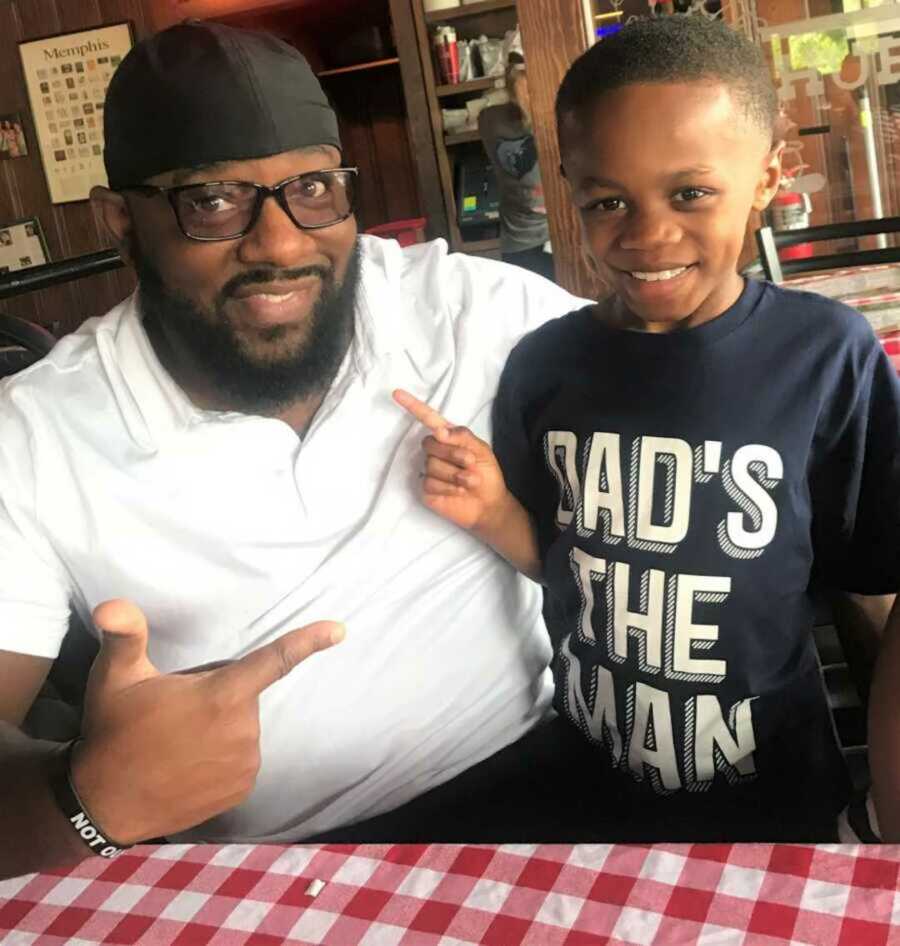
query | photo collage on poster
(67,77)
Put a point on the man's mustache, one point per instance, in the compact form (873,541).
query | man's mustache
(259,277)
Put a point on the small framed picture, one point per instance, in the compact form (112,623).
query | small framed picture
(22,245)
(12,136)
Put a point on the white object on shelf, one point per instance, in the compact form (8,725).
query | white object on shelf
(455,120)
(432,5)
(466,67)
(492,60)
(512,43)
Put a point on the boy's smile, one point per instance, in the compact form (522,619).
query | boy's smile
(664,176)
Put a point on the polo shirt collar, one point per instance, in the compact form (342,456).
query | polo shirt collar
(387,318)
(153,406)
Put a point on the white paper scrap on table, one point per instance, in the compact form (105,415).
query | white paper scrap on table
(315,887)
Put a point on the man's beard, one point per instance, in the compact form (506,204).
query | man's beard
(252,381)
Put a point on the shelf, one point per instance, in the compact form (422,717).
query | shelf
(470,9)
(476,85)
(359,67)
(480,246)
(461,138)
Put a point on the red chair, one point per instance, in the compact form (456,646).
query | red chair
(405,232)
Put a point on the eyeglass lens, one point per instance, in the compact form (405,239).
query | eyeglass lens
(220,211)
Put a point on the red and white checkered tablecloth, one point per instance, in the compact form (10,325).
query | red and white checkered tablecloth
(891,343)
(446,895)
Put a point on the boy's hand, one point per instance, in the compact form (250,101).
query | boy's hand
(462,481)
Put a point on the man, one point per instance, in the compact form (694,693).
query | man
(222,451)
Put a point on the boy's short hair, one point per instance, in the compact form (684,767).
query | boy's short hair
(675,48)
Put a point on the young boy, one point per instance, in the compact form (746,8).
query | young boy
(686,461)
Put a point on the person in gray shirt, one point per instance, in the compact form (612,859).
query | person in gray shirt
(509,141)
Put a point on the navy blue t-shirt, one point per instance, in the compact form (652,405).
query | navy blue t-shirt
(689,490)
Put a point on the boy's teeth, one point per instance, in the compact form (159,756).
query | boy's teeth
(661,274)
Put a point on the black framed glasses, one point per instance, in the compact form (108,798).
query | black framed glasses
(226,210)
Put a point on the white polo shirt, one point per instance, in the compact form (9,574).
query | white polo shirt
(227,530)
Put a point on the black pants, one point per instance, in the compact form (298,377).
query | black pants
(551,787)
(537,260)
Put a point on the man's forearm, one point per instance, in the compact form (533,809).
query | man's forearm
(35,833)
(511,533)
(884,730)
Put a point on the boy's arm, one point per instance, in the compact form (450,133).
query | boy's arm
(860,621)
(510,532)
(462,482)
(884,730)
(865,617)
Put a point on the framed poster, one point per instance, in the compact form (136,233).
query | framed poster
(22,244)
(66,77)
(12,137)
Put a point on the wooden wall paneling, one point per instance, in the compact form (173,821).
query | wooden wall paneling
(421,134)
(70,229)
(136,11)
(351,105)
(52,307)
(553,37)
(11,206)
(392,147)
(75,222)
(35,19)
(163,13)
(291,25)
(12,99)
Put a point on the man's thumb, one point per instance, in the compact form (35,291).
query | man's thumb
(124,634)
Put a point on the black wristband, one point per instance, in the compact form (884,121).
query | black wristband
(78,816)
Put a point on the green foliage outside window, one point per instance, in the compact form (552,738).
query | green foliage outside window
(821,51)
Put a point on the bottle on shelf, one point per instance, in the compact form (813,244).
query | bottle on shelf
(447,50)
